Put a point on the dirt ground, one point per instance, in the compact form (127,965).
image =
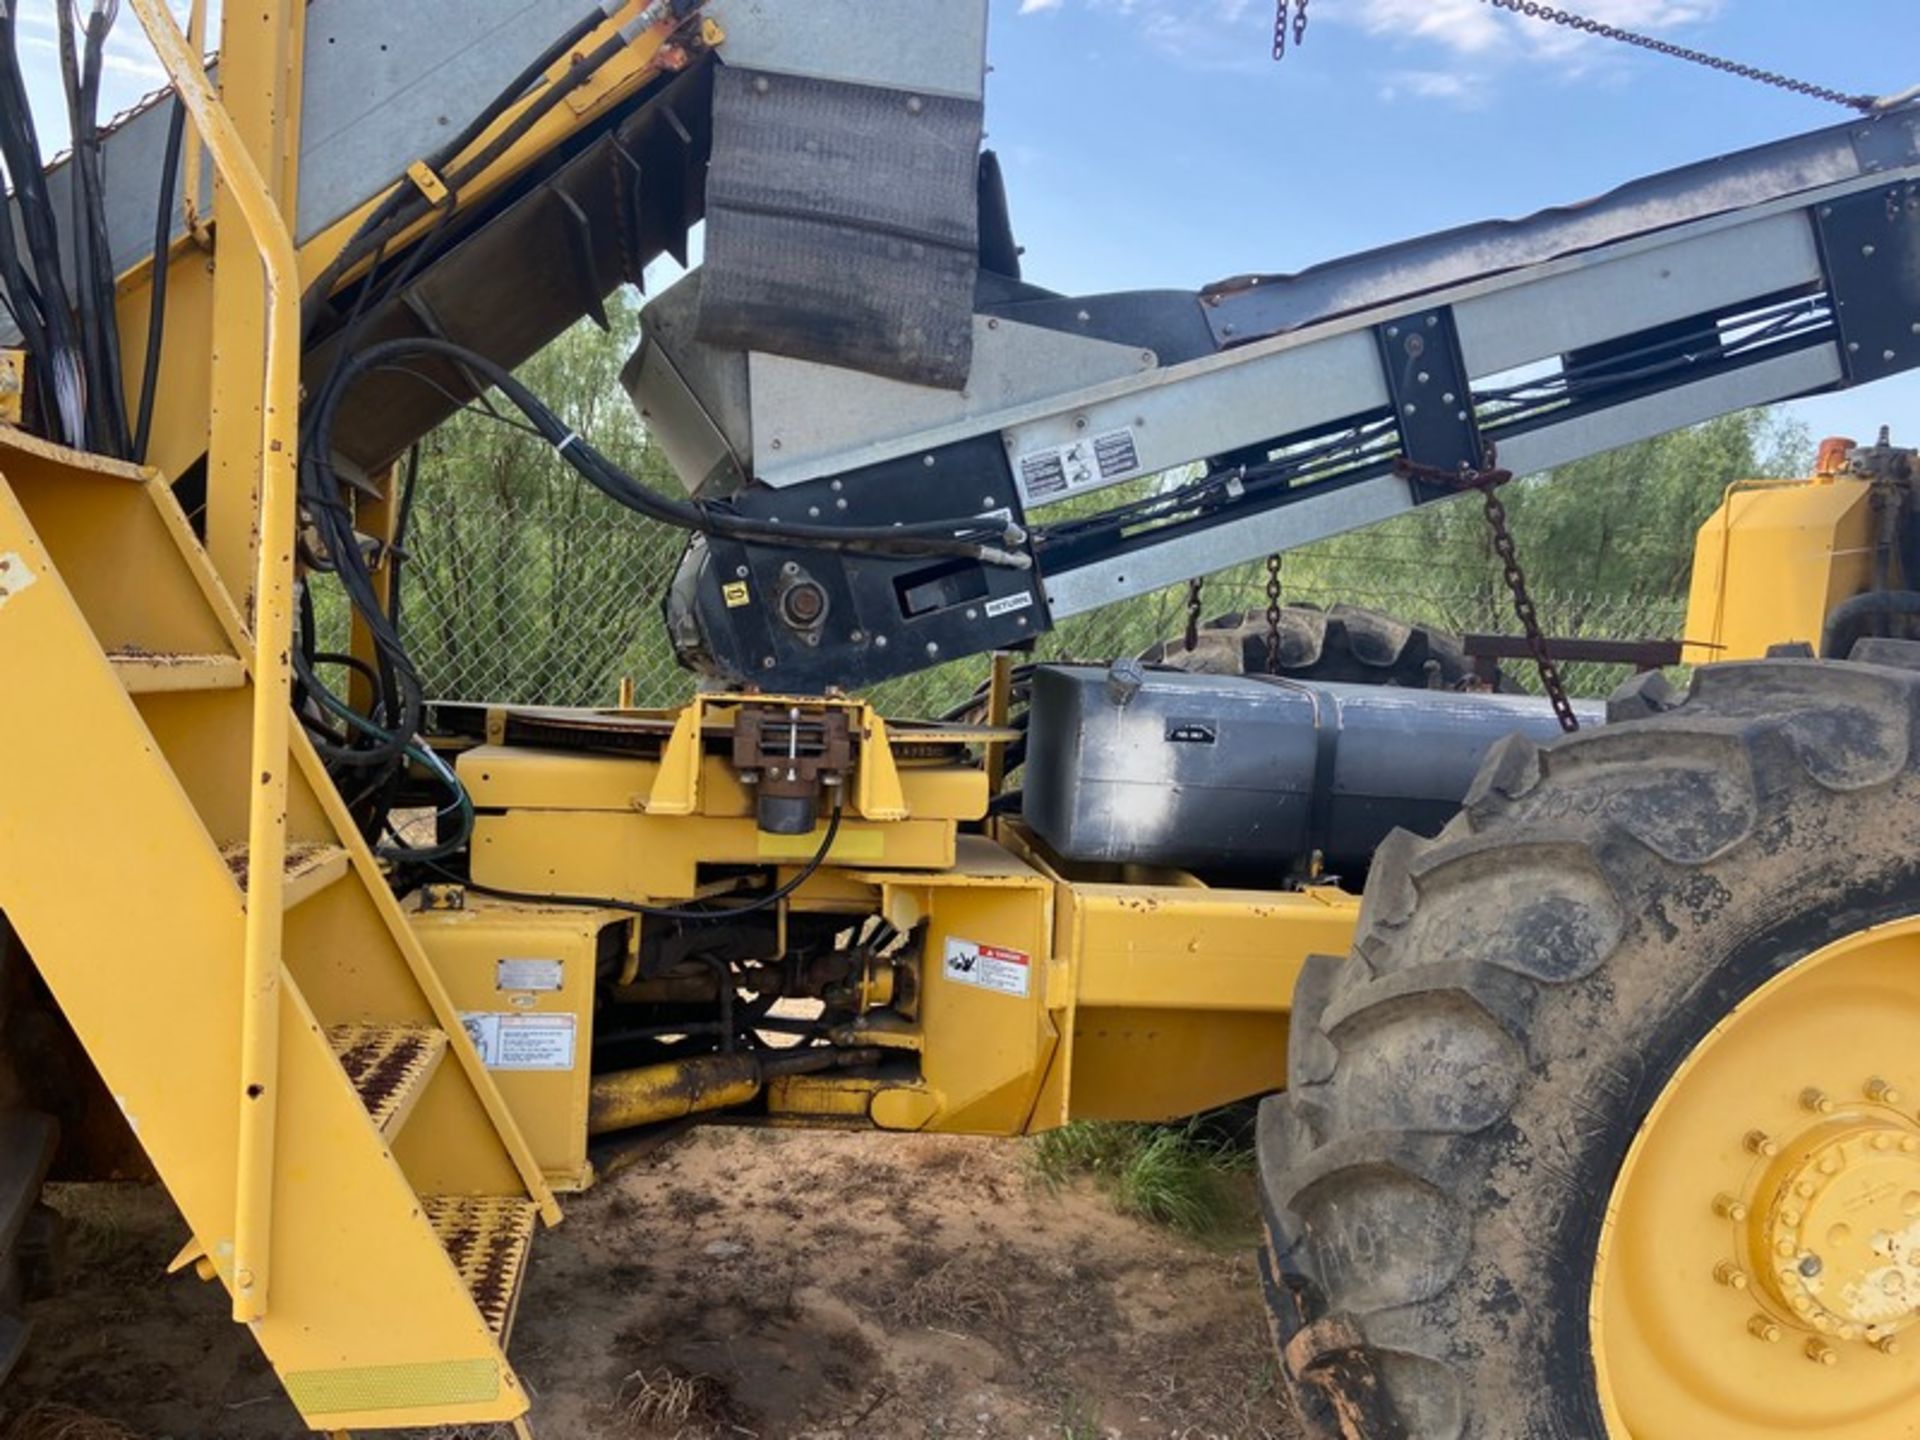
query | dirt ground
(739,1283)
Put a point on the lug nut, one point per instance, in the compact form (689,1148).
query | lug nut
(1760,1143)
(1728,1208)
(1816,1100)
(1821,1353)
(1730,1275)
(1761,1328)
(1881,1093)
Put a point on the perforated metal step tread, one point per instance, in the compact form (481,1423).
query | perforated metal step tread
(389,1065)
(310,868)
(146,673)
(487,1237)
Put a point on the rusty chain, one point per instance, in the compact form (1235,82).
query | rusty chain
(1586,25)
(1488,481)
(1273,614)
(1193,614)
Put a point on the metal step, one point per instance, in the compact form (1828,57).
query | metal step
(487,1237)
(144,673)
(389,1066)
(310,868)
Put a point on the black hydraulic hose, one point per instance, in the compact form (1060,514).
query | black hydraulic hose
(667,912)
(605,476)
(96,280)
(20,146)
(404,204)
(1847,624)
(157,281)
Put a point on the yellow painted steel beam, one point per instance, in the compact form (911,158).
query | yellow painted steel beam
(272,448)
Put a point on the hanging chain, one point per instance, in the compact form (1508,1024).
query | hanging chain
(1556,16)
(1193,614)
(1280,26)
(1273,614)
(1488,481)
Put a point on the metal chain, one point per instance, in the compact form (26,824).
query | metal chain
(1550,678)
(1488,481)
(1299,9)
(1273,614)
(1556,16)
(1193,614)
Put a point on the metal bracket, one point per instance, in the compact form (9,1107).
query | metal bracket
(1432,395)
(1870,246)
(1887,142)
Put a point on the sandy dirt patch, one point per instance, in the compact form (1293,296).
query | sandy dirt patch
(739,1283)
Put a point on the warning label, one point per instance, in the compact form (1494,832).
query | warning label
(521,1042)
(1097,460)
(988,967)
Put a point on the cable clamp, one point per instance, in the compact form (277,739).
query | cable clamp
(429,183)
(573,438)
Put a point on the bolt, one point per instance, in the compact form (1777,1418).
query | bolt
(1783,1247)
(858,637)
(1449,399)
(760,86)
(1821,1353)
(776,444)
(742,571)
(1393,332)
(768,663)
(1728,1208)
(1867,250)
(1878,1090)
(1433,322)
(928,461)
(916,105)
(1759,1142)
(1425,378)
(1761,1328)
(1887,1345)
(1816,1100)
(1730,1275)
(1079,422)
(932,648)
(1789,1217)
(1811,1266)
(841,503)
(1889,355)
(1413,409)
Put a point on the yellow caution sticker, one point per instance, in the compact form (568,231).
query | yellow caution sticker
(737,595)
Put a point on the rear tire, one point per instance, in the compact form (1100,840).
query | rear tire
(1345,644)
(1463,1090)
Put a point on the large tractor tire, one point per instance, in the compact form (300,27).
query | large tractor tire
(1607,1127)
(1345,644)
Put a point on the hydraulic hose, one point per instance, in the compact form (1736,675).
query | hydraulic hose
(1848,623)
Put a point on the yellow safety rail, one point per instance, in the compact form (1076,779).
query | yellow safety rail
(272,659)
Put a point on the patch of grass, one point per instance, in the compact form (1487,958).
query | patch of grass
(668,1402)
(1188,1177)
(952,1293)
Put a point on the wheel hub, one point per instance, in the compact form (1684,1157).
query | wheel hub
(1837,1240)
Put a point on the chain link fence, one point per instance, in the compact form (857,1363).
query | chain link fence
(548,596)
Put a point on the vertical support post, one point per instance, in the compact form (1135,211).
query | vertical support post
(190,213)
(999,711)
(260,57)
(276,387)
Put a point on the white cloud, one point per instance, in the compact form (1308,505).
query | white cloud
(1204,34)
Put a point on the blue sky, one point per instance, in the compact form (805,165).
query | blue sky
(1154,142)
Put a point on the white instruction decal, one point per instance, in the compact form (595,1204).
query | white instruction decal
(1097,460)
(521,1042)
(14,576)
(516,974)
(988,967)
(1008,604)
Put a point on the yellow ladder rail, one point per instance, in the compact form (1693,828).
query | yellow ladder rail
(272,659)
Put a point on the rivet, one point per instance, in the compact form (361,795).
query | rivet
(1759,1142)
(1867,250)
(1878,1090)
(1730,1275)
(1728,1208)
(1761,1328)
(1822,1353)
(1816,1100)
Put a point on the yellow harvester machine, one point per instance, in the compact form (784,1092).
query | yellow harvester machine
(1598,1115)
